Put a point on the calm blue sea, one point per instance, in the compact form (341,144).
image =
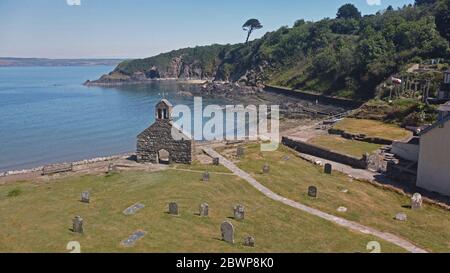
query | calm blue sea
(48,116)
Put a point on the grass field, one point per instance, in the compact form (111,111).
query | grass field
(372,128)
(38,216)
(367,204)
(347,146)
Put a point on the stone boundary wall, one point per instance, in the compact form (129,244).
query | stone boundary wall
(306,148)
(75,164)
(347,103)
(375,140)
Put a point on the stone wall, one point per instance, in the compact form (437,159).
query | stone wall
(306,148)
(341,102)
(159,137)
(375,140)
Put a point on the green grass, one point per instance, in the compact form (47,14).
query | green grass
(367,204)
(40,218)
(372,128)
(197,166)
(347,146)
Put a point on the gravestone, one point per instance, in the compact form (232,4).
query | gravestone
(328,168)
(227,230)
(204,210)
(85,197)
(77,225)
(240,152)
(342,209)
(173,208)
(416,201)
(134,238)
(249,241)
(239,212)
(286,158)
(401,217)
(133,209)
(205,177)
(266,168)
(216,161)
(312,192)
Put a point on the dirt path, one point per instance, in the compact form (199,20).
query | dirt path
(337,220)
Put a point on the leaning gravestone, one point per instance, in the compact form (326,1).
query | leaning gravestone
(239,212)
(328,168)
(227,230)
(205,177)
(216,161)
(249,241)
(173,209)
(77,225)
(133,209)
(134,238)
(416,201)
(266,168)
(312,192)
(342,209)
(204,210)
(85,197)
(240,152)
(401,217)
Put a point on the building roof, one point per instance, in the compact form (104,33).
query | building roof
(436,125)
(445,107)
(166,102)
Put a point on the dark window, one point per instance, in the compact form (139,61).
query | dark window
(159,114)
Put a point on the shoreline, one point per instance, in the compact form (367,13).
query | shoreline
(75,163)
(149,81)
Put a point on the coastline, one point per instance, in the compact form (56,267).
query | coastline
(143,82)
(75,163)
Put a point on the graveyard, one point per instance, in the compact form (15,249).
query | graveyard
(343,196)
(128,211)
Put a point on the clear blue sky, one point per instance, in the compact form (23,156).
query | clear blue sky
(140,28)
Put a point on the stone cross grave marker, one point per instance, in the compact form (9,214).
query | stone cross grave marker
(204,210)
(227,230)
(416,201)
(77,224)
(85,197)
(131,241)
(312,192)
(133,209)
(173,208)
(239,212)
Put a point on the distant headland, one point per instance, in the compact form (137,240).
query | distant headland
(24,62)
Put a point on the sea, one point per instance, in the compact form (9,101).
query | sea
(48,116)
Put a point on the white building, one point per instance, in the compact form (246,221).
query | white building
(434,156)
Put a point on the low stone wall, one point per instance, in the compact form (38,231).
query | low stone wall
(375,140)
(306,148)
(341,102)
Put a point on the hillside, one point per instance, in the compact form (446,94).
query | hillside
(348,56)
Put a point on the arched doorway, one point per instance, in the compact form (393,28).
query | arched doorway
(163,157)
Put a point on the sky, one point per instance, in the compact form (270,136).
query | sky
(142,28)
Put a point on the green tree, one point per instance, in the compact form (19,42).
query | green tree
(443,19)
(250,26)
(348,11)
